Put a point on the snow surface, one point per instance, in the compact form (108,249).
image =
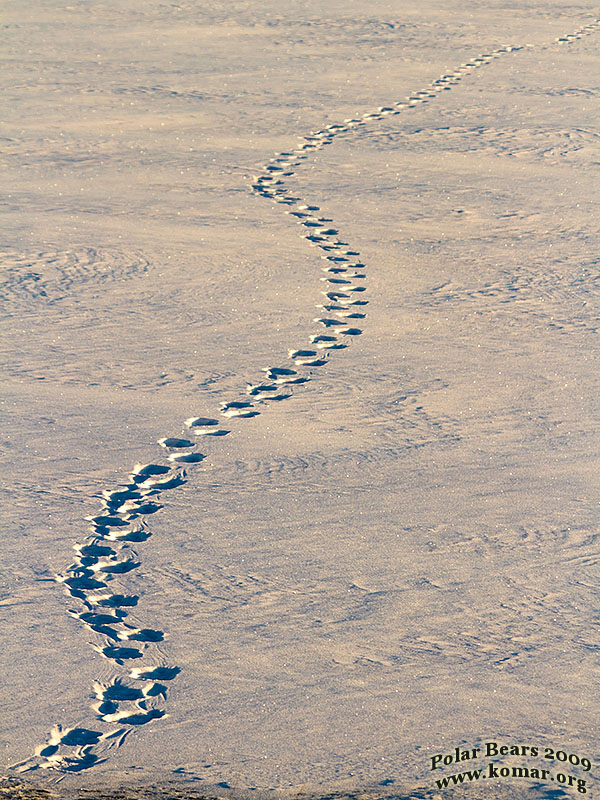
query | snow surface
(391,549)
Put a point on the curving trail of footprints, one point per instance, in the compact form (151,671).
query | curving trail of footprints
(96,579)
(585,30)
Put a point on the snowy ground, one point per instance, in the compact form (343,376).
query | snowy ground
(399,558)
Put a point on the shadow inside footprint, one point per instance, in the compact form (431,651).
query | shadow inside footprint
(119,567)
(119,691)
(155,673)
(173,442)
(80,736)
(161,485)
(94,550)
(202,422)
(93,618)
(80,763)
(117,600)
(84,583)
(238,408)
(146,635)
(108,522)
(119,654)
(143,471)
(187,458)
(133,536)
(142,718)
(147,508)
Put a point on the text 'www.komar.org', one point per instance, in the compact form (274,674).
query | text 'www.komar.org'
(493,770)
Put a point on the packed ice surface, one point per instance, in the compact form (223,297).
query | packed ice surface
(310,465)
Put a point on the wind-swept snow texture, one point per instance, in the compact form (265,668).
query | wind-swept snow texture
(379,539)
